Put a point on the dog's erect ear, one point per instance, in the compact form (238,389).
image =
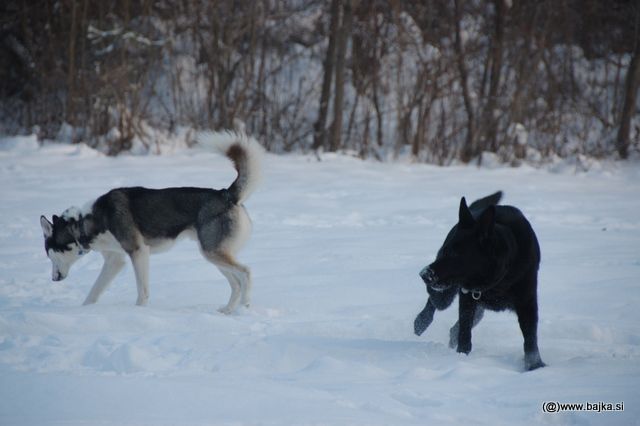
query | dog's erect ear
(47,227)
(486,222)
(464,215)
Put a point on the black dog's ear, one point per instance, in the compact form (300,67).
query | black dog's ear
(55,219)
(486,222)
(47,227)
(464,215)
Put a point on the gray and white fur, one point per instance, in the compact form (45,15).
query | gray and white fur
(135,222)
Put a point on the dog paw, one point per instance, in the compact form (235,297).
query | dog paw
(534,366)
(533,362)
(420,324)
(464,349)
(225,310)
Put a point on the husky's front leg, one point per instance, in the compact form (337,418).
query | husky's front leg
(113,264)
(140,260)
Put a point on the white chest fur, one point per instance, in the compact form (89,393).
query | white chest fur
(106,242)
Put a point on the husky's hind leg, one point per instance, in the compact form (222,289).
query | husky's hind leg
(140,260)
(238,275)
(220,237)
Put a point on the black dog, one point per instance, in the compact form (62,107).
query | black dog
(490,258)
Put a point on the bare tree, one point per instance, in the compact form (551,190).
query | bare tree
(632,82)
(319,134)
(344,33)
(440,80)
(495,59)
(469,147)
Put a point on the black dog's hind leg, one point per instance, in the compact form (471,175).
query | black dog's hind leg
(527,310)
(453,332)
(424,318)
(528,320)
(466,313)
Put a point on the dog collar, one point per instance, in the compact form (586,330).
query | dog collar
(475,294)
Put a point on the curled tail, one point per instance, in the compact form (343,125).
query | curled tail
(246,155)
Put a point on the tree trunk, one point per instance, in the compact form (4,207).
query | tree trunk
(491,121)
(341,53)
(82,80)
(319,130)
(632,82)
(469,149)
(72,65)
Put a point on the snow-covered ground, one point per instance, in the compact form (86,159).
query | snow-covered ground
(335,253)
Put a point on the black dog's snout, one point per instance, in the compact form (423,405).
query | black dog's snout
(428,275)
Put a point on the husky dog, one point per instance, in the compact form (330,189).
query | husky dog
(490,260)
(135,222)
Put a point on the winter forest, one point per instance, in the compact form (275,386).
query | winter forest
(440,81)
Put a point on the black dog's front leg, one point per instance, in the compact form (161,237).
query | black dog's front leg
(424,318)
(466,312)
(455,330)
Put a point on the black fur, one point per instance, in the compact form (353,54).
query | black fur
(62,236)
(156,213)
(489,259)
